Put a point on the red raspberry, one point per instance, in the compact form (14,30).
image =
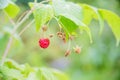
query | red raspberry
(44,42)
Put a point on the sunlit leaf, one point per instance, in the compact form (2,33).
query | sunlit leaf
(92,12)
(61,7)
(113,21)
(12,10)
(87,17)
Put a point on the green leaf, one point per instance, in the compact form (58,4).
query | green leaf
(92,12)
(3,3)
(12,10)
(32,76)
(47,74)
(68,25)
(87,17)
(70,10)
(71,16)
(60,75)
(42,13)
(113,21)
(27,71)
(11,71)
(12,64)
(17,74)
(8,74)
(61,7)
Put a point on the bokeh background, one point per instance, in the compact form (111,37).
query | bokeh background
(97,61)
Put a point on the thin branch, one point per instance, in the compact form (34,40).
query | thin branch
(22,16)
(25,28)
(9,42)
(10,39)
(23,20)
(6,50)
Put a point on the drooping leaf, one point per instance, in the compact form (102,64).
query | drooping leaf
(87,17)
(12,10)
(3,3)
(92,12)
(113,21)
(88,31)
(68,25)
(71,27)
(71,16)
(42,13)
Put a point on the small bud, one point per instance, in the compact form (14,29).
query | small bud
(59,33)
(64,40)
(44,28)
(71,37)
(60,36)
(77,50)
(51,35)
(67,53)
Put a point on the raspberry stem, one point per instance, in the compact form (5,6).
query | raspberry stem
(68,49)
(25,28)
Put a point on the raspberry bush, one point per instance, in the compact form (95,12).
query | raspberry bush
(71,19)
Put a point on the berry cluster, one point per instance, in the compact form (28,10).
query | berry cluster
(62,36)
(45,42)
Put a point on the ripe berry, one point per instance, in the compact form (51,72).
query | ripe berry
(44,42)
